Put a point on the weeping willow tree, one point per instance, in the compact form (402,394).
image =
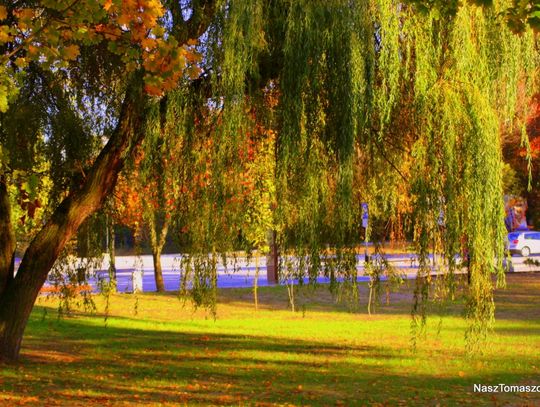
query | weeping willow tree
(376,103)
(466,73)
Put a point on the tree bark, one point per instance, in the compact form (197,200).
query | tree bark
(157,243)
(111,243)
(17,300)
(158,272)
(19,294)
(7,238)
(272,259)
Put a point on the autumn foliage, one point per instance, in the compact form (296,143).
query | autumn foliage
(53,33)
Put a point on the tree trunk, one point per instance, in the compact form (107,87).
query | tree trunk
(7,238)
(17,300)
(256,281)
(272,259)
(112,251)
(157,243)
(158,272)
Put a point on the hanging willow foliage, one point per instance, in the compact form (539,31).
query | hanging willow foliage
(375,103)
(209,120)
(326,86)
(466,73)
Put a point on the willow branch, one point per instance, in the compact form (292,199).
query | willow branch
(383,155)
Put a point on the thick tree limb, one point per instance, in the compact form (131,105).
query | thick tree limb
(18,299)
(202,13)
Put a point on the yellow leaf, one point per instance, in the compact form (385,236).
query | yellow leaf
(4,34)
(71,52)
(124,19)
(21,62)
(158,31)
(149,43)
(107,5)
(25,14)
(3,13)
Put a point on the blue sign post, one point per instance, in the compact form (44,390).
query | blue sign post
(365,222)
(365,214)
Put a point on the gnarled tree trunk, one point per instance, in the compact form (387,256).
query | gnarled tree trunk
(19,295)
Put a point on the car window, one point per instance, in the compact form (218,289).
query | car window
(529,236)
(513,236)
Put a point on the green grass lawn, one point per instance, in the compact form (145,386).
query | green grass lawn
(169,355)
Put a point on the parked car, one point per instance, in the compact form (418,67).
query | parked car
(524,243)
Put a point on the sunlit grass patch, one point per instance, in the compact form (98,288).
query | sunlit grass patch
(169,355)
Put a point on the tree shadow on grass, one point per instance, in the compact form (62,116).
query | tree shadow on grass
(520,300)
(75,363)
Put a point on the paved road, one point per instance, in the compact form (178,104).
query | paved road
(171,279)
(243,276)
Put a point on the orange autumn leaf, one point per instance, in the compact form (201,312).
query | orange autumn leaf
(124,19)
(33,50)
(153,90)
(25,14)
(148,43)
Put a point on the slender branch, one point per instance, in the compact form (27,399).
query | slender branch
(383,155)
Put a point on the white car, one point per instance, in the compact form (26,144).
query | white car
(524,243)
